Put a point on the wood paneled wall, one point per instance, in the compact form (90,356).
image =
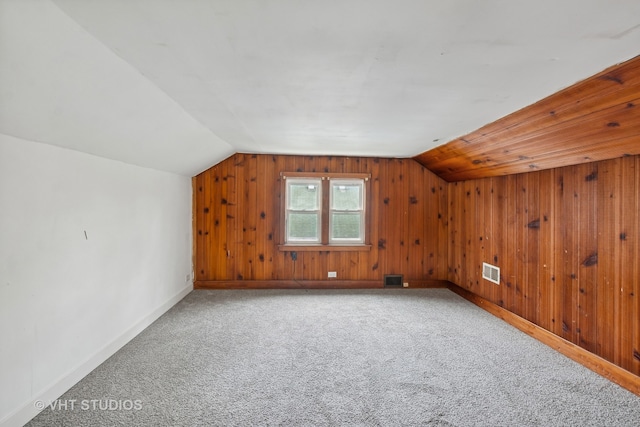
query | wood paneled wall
(567,243)
(595,119)
(237,222)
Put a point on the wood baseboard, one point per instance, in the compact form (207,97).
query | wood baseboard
(309,284)
(286,284)
(597,364)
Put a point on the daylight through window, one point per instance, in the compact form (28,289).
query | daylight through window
(304,199)
(328,210)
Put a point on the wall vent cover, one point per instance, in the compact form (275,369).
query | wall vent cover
(393,280)
(491,273)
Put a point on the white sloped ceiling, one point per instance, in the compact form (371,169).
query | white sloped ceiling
(180,85)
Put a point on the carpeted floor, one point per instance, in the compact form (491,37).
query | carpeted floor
(386,357)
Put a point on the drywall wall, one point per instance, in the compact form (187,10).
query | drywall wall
(91,252)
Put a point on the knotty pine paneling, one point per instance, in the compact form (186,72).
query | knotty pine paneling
(566,240)
(237,226)
(595,119)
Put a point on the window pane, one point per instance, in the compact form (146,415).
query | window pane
(345,225)
(346,196)
(303,226)
(303,196)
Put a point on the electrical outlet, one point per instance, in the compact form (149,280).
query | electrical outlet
(332,274)
(405,285)
(187,277)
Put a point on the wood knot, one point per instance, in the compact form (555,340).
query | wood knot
(591,260)
(612,79)
(591,177)
(535,224)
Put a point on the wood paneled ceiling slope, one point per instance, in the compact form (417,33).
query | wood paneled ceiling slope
(596,119)
(179,86)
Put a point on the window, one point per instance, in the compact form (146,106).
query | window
(303,217)
(325,209)
(346,211)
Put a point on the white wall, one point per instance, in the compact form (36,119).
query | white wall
(68,300)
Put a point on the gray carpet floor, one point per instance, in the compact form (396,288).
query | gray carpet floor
(385,357)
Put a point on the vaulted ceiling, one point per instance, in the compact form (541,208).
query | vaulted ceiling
(180,85)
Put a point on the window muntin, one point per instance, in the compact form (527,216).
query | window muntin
(346,211)
(303,216)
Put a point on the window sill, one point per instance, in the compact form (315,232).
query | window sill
(321,248)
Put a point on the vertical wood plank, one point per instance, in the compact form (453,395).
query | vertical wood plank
(277,217)
(220,222)
(213,234)
(416,223)
(587,178)
(547,289)
(609,211)
(442,248)
(532,229)
(498,225)
(520,284)
(377,213)
(468,229)
(200,254)
(404,239)
(233,219)
(383,226)
(455,215)
(481,201)
(208,212)
(489,224)
(432,212)
(628,258)
(635,304)
(262,184)
(241,185)
(511,270)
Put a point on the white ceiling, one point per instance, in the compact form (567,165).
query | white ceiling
(178,85)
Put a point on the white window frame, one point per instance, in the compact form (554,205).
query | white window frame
(294,245)
(337,182)
(288,211)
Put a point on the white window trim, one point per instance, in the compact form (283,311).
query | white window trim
(324,245)
(307,181)
(362,210)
